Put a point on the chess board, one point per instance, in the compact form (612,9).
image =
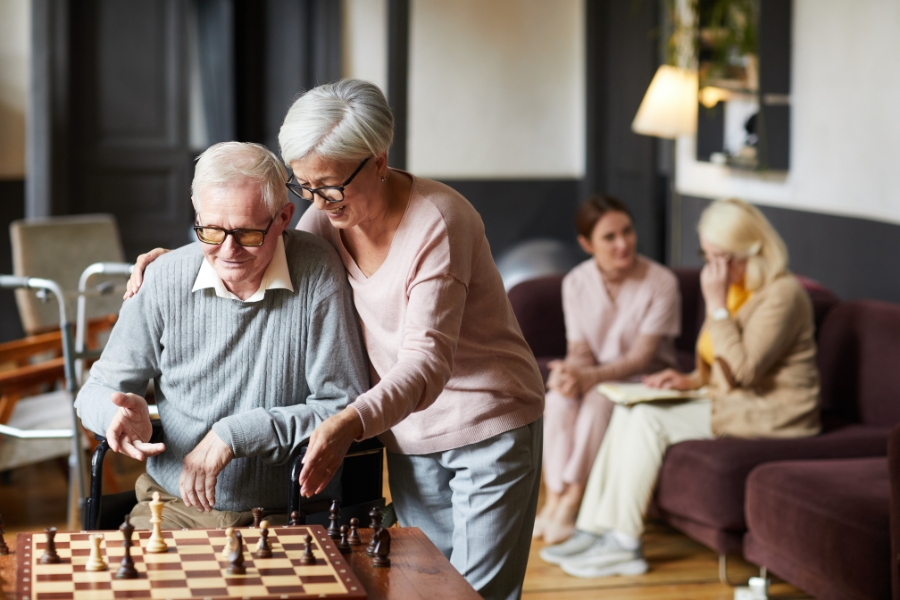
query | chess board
(192,568)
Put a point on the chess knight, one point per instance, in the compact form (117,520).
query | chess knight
(250,340)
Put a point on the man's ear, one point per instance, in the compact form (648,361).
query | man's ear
(287,213)
(586,245)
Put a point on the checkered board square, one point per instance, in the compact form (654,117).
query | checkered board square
(192,568)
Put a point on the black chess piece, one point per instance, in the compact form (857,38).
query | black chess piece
(126,568)
(307,558)
(375,514)
(334,516)
(50,557)
(4,549)
(295,518)
(236,558)
(264,550)
(382,549)
(257,516)
(354,538)
(344,544)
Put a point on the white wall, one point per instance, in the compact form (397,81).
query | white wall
(496,89)
(365,41)
(845,112)
(15,27)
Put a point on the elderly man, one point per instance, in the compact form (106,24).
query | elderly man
(251,340)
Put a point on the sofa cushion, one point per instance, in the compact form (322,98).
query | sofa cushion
(858,358)
(537,304)
(823,525)
(703,480)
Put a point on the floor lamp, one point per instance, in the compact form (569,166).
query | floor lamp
(669,109)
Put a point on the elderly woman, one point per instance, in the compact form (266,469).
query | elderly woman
(457,397)
(622,314)
(756,357)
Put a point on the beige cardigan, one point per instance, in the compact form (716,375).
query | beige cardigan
(764,381)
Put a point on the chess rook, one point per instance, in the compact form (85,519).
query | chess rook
(95,560)
(257,516)
(50,557)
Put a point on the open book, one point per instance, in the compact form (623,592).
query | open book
(632,393)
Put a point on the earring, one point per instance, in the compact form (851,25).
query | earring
(383,180)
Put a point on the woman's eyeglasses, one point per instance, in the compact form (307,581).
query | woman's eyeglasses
(328,193)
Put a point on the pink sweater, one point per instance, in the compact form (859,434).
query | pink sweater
(449,364)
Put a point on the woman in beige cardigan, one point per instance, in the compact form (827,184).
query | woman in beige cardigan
(756,357)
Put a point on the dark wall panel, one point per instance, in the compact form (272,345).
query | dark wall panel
(855,258)
(12,207)
(514,211)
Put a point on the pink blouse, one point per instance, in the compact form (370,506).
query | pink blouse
(648,303)
(449,365)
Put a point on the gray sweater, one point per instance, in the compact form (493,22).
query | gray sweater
(262,375)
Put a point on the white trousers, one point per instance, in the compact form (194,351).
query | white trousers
(625,471)
(477,504)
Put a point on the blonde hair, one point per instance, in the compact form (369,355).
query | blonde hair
(238,162)
(346,120)
(741,229)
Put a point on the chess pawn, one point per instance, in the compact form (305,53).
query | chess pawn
(295,518)
(344,544)
(382,549)
(229,543)
(263,550)
(156,544)
(307,558)
(354,538)
(95,561)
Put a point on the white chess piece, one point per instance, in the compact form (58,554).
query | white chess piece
(95,561)
(229,543)
(156,544)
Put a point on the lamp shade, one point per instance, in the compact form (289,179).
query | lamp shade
(669,107)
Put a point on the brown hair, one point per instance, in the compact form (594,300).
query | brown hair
(593,209)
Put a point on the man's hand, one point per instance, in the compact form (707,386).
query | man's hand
(328,445)
(137,274)
(563,379)
(201,470)
(130,430)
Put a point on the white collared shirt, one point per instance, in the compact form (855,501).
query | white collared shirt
(276,276)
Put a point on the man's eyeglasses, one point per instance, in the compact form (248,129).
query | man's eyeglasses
(328,193)
(210,234)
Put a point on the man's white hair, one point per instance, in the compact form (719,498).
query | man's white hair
(346,120)
(230,163)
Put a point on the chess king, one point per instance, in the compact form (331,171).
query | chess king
(250,339)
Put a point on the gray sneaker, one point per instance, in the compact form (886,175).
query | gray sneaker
(574,546)
(605,550)
(628,566)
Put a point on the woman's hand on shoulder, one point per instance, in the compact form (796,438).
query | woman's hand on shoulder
(669,379)
(137,274)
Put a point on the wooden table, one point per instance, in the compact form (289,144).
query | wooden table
(418,570)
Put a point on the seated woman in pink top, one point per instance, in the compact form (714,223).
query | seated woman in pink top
(456,394)
(622,313)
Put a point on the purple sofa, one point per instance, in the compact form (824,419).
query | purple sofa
(825,525)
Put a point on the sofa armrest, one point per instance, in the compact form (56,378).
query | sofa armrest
(894,468)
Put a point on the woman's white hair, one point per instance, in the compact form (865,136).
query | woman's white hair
(743,231)
(346,120)
(230,163)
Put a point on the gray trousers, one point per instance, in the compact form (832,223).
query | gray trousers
(477,504)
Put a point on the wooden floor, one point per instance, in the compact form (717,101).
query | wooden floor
(34,497)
